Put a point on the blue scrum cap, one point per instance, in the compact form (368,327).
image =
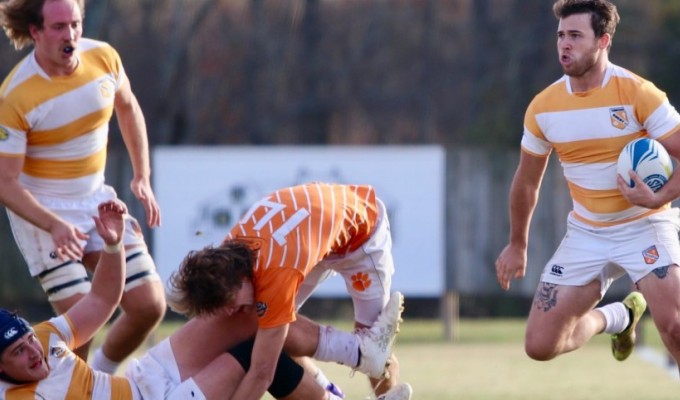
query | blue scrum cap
(12,328)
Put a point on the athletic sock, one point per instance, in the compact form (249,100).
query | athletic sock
(103,363)
(337,346)
(321,378)
(617,317)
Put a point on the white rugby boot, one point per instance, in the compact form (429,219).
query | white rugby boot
(376,342)
(402,391)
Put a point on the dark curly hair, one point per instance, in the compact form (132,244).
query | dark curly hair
(603,14)
(209,279)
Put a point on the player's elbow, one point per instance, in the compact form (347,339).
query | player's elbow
(263,375)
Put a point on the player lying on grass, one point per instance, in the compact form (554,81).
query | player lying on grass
(282,249)
(39,362)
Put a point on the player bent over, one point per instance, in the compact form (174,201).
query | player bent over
(282,249)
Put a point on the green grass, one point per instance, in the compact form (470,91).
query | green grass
(488,362)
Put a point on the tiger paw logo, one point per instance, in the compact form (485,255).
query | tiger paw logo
(361,281)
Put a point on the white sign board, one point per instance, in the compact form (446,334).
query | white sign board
(203,191)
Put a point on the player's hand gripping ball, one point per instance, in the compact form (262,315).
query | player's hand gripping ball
(649,159)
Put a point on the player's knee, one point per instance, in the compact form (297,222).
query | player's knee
(288,373)
(670,331)
(539,352)
(143,298)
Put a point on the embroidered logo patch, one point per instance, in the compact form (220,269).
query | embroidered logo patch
(650,254)
(106,88)
(618,117)
(361,281)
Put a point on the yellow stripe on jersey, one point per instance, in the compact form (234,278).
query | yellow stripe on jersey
(619,87)
(85,379)
(24,392)
(599,201)
(594,150)
(70,131)
(65,169)
(621,221)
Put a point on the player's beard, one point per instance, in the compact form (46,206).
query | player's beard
(582,66)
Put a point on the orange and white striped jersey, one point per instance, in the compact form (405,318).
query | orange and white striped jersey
(293,229)
(588,131)
(70,377)
(59,125)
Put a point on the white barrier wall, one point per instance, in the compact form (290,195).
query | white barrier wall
(202,191)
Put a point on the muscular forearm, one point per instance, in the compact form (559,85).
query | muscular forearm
(133,129)
(20,201)
(523,201)
(109,276)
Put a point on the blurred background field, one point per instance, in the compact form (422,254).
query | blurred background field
(488,362)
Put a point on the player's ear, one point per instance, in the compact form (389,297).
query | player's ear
(605,40)
(230,310)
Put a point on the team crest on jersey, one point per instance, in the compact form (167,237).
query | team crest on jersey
(261,308)
(650,254)
(4,133)
(618,117)
(58,351)
(106,88)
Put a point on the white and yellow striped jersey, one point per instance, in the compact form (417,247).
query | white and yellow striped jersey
(588,131)
(59,125)
(70,377)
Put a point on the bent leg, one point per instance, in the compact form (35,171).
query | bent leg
(562,319)
(142,310)
(202,339)
(661,288)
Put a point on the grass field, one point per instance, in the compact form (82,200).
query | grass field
(488,362)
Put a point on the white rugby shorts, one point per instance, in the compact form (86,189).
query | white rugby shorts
(36,245)
(367,272)
(607,253)
(156,376)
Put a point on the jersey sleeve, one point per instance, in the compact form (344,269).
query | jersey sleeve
(659,117)
(533,139)
(13,128)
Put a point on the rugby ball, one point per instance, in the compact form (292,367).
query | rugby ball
(649,159)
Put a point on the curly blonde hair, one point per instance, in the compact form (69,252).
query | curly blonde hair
(17,16)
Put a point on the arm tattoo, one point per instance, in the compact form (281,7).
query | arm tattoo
(546,296)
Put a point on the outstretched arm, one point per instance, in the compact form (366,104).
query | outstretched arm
(92,311)
(511,263)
